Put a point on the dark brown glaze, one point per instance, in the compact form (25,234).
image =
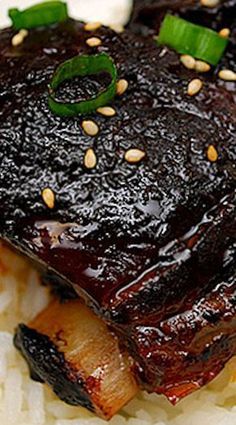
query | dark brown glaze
(199,331)
(109,225)
(182,271)
(147,15)
(200,335)
(117,216)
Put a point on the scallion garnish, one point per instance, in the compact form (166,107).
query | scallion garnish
(195,40)
(81,66)
(42,14)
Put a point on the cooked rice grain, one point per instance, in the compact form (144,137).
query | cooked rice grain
(24,402)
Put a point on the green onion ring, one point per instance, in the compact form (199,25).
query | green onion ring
(195,40)
(42,14)
(82,66)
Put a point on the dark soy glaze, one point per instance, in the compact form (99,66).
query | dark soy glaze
(147,15)
(113,224)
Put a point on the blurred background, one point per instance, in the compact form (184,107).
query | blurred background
(106,11)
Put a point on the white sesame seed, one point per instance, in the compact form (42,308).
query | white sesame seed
(212,153)
(90,128)
(24,32)
(94,42)
(48,197)
(210,3)
(225,32)
(188,61)
(227,75)
(134,155)
(19,38)
(107,111)
(121,87)
(194,87)
(201,66)
(90,159)
(92,26)
(117,28)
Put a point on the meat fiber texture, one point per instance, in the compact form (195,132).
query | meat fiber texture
(140,243)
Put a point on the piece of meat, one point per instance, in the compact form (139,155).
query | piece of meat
(72,350)
(118,216)
(111,224)
(145,310)
(146,19)
(174,356)
(178,351)
(147,15)
(182,271)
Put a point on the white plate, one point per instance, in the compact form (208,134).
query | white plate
(106,11)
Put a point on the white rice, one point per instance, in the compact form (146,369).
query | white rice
(24,402)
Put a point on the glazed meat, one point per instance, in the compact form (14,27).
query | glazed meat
(147,244)
(147,15)
(199,334)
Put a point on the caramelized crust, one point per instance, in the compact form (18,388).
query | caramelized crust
(72,350)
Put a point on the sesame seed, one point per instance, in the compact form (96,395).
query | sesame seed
(117,28)
(134,155)
(48,197)
(212,153)
(227,75)
(121,87)
(90,159)
(194,87)
(19,38)
(90,128)
(94,41)
(225,32)
(107,111)
(188,61)
(210,3)
(24,32)
(201,66)
(92,26)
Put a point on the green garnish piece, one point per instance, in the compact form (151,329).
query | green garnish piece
(195,40)
(42,14)
(80,66)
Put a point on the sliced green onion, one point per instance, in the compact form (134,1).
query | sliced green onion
(42,14)
(80,66)
(195,40)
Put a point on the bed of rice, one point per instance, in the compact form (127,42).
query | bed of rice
(24,402)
